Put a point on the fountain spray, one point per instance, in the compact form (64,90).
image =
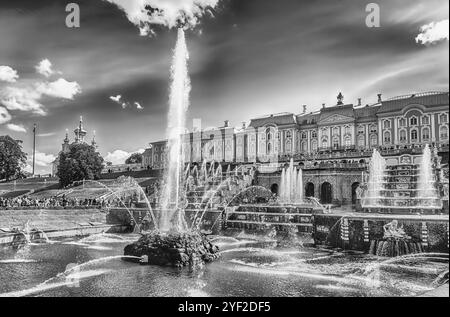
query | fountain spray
(178,105)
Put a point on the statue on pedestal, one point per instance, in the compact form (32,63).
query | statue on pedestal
(392,230)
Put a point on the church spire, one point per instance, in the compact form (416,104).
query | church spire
(80,133)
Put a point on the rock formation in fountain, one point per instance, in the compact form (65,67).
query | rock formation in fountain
(172,217)
(173,249)
(291,188)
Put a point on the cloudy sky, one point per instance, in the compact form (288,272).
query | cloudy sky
(247,58)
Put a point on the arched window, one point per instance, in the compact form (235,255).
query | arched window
(361,141)
(426,134)
(348,130)
(403,136)
(373,128)
(402,122)
(413,121)
(288,134)
(304,135)
(443,118)
(373,140)
(325,142)
(269,149)
(335,143)
(414,136)
(336,131)
(304,147)
(314,134)
(443,133)
(361,129)
(425,120)
(387,124)
(387,137)
(348,141)
(314,145)
(288,145)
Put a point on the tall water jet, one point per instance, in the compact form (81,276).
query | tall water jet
(291,189)
(377,167)
(427,192)
(178,105)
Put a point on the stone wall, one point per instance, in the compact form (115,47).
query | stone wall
(328,230)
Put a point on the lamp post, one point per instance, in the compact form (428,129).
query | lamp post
(34,145)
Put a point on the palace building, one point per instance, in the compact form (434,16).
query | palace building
(332,145)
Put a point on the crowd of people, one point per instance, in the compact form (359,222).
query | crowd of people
(62,202)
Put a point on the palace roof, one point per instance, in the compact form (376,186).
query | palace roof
(285,118)
(429,99)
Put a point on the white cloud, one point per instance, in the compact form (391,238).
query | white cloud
(45,68)
(116,98)
(16,127)
(22,99)
(168,13)
(43,162)
(119,156)
(138,106)
(60,88)
(8,74)
(433,32)
(4,115)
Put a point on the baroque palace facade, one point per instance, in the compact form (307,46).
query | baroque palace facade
(332,145)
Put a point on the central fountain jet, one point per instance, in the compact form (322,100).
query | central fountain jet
(173,244)
(172,217)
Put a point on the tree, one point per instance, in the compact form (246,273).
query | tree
(81,162)
(135,158)
(12,158)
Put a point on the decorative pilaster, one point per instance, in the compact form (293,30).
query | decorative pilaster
(366,231)
(424,234)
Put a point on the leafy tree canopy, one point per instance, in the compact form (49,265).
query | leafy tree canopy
(12,158)
(135,158)
(81,162)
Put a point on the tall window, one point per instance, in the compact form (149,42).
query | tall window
(325,142)
(336,131)
(335,143)
(373,129)
(347,130)
(304,147)
(373,140)
(387,137)
(402,122)
(314,145)
(361,129)
(403,138)
(413,121)
(443,133)
(426,134)
(304,135)
(387,124)
(361,141)
(425,120)
(414,136)
(443,118)
(348,141)
(314,134)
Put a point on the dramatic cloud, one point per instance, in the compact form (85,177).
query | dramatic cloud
(16,127)
(119,156)
(433,33)
(60,88)
(4,115)
(45,68)
(138,106)
(8,74)
(169,13)
(22,99)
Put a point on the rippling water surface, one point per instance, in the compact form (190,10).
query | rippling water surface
(93,267)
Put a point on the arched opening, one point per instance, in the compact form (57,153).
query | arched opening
(354,196)
(274,189)
(309,190)
(326,194)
